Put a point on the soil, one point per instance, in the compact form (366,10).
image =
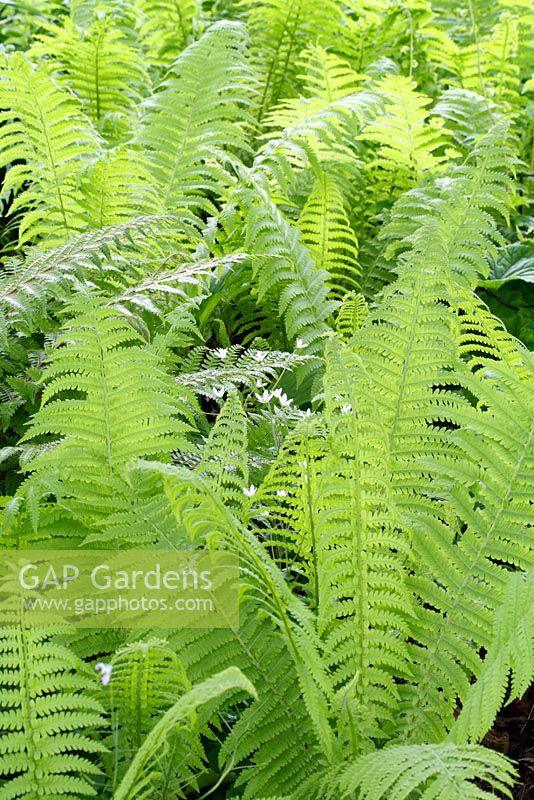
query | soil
(513,735)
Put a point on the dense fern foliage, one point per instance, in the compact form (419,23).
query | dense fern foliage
(266,288)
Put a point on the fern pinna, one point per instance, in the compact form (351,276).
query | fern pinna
(248,248)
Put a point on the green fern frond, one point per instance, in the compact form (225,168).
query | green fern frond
(147,679)
(280,29)
(327,234)
(47,711)
(440,772)
(352,314)
(327,76)
(167,27)
(199,118)
(45,141)
(481,517)
(224,462)
(110,402)
(509,660)
(410,143)
(362,551)
(287,271)
(137,783)
(101,68)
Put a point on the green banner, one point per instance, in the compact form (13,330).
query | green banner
(119,589)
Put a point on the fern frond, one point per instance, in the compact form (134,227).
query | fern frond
(224,462)
(410,143)
(440,772)
(287,271)
(47,712)
(280,29)
(510,659)
(137,783)
(351,315)
(109,401)
(45,141)
(167,27)
(27,285)
(327,234)
(214,373)
(98,64)
(198,118)
(481,517)
(365,604)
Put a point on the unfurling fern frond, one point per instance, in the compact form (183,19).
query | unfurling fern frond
(45,141)
(147,679)
(47,715)
(327,234)
(137,784)
(439,772)
(194,124)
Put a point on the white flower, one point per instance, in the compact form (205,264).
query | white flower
(284,400)
(251,491)
(299,344)
(221,352)
(260,384)
(265,396)
(219,392)
(281,493)
(105,672)
(346,409)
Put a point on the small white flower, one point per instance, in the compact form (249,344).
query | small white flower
(221,352)
(264,397)
(284,400)
(219,392)
(260,384)
(346,409)
(251,491)
(281,493)
(105,672)
(299,344)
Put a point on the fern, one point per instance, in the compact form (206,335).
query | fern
(167,27)
(443,772)
(205,114)
(99,358)
(45,132)
(409,142)
(47,713)
(137,781)
(327,234)
(104,71)
(280,30)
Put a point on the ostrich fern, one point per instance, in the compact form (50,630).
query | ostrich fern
(243,244)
